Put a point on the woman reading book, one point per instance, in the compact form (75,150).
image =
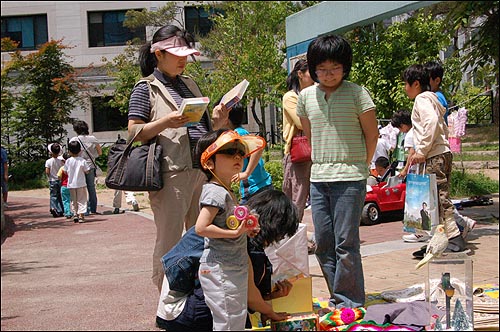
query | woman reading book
(154,107)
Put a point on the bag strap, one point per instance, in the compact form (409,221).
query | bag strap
(423,168)
(88,154)
(299,132)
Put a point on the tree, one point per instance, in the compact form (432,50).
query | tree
(48,92)
(247,41)
(126,71)
(381,52)
(124,67)
(479,20)
(8,81)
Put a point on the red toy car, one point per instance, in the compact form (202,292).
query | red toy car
(384,197)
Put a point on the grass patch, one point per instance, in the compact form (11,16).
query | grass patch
(474,157)
(464,184)
(480,147)
(480,133)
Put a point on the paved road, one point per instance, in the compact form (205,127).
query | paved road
(57,275)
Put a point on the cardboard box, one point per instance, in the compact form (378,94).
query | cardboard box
(299,300)
(298,322)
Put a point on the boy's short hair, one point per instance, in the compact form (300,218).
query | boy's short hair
(382,162)
(417,73)
(401,117)
(236,115)
(329,48)
(74,147)
(55,148)
(435,69)
(66,156)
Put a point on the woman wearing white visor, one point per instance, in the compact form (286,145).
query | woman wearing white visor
(154,107)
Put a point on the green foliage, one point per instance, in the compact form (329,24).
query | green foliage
(478,106)
(102,160)
(465,184)
(483,48)
(247,41)
(28,175)
(160,17)
(45,90)
(381,53)
(275,168)
(126,72)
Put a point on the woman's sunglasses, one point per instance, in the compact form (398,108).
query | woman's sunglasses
(232,152)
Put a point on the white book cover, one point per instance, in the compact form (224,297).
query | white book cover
(234,95)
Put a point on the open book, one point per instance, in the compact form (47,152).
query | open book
(194,109)
(235,94)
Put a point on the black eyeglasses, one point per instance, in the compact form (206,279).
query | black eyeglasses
(232,152)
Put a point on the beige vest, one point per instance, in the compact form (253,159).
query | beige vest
(175,141)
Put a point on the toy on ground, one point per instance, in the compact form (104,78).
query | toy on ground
(339,317)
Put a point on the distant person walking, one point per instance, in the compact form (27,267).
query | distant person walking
(77,167)
(5,175)
(90,150)
(52,166)
(65,194)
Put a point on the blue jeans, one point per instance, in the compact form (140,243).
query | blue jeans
(336,211)
(90,180)
(55,197)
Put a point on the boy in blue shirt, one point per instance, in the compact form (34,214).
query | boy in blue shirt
(253,178)
(436,73)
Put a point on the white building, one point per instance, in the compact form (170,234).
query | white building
(94,29)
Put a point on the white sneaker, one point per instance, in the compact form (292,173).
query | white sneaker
(416,238)
(135,206)
(469,226)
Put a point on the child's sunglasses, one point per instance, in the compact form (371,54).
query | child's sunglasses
(232,152)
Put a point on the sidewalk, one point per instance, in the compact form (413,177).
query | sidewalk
(58,275)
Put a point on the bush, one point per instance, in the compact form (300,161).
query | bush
(102,160)
(28,175)
(465,184)
(275,168)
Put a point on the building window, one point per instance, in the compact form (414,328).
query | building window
(29,31)
(105,117)
(106,29)
(197,20)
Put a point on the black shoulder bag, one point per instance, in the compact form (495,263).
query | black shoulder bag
(135,168)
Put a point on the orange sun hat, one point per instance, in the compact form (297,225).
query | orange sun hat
(250,143)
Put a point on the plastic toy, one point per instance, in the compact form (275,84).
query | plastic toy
(243,214)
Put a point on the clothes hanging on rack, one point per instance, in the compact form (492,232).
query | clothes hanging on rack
(457,121)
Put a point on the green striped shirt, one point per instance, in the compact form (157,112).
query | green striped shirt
(337,140)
